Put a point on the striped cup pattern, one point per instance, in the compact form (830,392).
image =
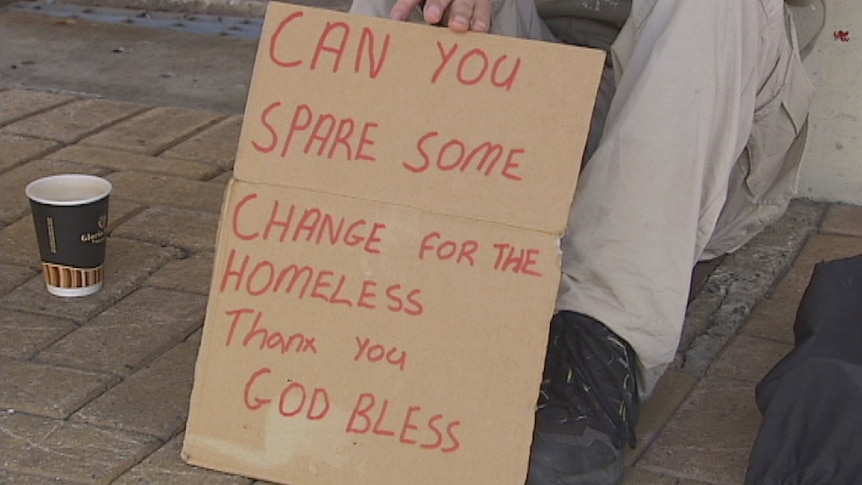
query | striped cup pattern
(67,277)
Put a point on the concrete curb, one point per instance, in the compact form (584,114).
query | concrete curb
(742,281)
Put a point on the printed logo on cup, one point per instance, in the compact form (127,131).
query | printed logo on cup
(97,237)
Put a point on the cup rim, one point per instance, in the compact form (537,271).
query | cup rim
(34,185)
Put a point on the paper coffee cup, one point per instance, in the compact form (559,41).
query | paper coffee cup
(70,213)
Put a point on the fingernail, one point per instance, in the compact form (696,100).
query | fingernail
(433,13)
(461,20)
(479,26)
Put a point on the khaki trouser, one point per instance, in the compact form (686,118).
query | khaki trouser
(695,146)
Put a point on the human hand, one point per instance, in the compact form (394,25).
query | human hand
(458,15)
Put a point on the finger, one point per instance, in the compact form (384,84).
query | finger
(402,9)
(460,15)
(482,12)
(436,9)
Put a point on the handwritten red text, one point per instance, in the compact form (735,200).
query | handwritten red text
(447,249)
(313,225)
(332,47)
(454,155)
(370,415)
(475,67)
(516,260)
(260,277)
(376,353)
(334,137)
(293,399)
(267,338)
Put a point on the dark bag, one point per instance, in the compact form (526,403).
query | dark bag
(811,400)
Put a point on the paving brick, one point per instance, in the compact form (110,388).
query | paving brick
(72,121)
(748,359)
(670,392)
(25,479)
(637,476)
(46,390)
(18,103)
(19,243)
(196,338)
(120,211)
(15,150)
(155,189)
(166,466)
(128,264)
(843,219)
(18,240)
(154,400)
(13,201)
(131,333)
(191,230)
(152,131)
(223,179)
(773,317)
(192,274)
(217,144)
(711,434)
(22,335)
(12,275)
(123,160)
(71,451)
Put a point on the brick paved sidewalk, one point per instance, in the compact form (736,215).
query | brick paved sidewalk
(95,390)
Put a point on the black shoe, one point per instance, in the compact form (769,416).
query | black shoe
(588,405)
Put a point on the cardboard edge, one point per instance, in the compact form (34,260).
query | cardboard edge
(202,359)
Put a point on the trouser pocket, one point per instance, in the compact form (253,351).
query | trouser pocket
(766,175)
(774,150)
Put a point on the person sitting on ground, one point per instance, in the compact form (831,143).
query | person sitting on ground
(694,147)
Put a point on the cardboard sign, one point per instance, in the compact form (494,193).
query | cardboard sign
(387,259)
